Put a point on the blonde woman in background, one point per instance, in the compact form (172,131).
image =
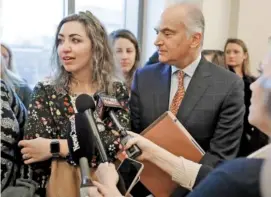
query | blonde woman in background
(238,60)
(14,81)
(8,56)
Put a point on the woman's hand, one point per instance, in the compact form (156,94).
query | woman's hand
(107,191)
(147,147)
(35,150)
(93,192)
(107,174)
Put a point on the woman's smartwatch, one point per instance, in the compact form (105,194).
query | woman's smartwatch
(55,148)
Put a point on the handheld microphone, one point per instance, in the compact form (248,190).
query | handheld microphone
(81,148)
(85,104)
(134,151)
(103,102)
(108,104)
(80,139)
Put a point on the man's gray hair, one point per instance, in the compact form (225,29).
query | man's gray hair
(193,20)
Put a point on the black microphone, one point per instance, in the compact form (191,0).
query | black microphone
(106,106)
(81,148)
(80,138)
(85,104)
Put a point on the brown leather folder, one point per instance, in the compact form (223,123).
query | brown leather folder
(170,134)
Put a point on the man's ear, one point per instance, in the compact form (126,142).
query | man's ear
(196,40)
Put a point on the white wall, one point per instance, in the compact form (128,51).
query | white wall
(197,2)
(1,23)
(131,16)
(152,12)
(217,19)
(255,28)
(248,20)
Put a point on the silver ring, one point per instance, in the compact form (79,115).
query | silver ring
(26,156)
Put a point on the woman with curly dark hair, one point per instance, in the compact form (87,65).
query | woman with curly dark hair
(84,65)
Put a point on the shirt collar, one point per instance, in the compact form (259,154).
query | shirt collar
(190,69)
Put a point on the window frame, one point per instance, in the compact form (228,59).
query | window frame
(133,17)
(130,13)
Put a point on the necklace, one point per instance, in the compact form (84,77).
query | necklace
(73,97)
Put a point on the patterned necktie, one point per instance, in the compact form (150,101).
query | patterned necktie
(178,97)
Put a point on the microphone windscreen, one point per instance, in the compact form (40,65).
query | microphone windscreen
(84,102)
(80,138)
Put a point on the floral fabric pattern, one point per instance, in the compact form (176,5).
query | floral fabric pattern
(49,114)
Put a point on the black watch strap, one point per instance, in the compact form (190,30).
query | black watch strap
(55,148)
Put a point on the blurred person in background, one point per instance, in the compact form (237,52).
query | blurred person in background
(8,56)
(127,53)
(237,59)
(215,56)
(13,116)
(10,76)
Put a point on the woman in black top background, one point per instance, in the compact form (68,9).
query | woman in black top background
(237,59)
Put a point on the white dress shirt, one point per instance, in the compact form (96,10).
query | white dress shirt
(188,74)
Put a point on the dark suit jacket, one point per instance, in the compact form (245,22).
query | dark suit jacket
(212,109)
(153,59)
(240,177)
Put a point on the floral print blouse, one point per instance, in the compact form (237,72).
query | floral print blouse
(48,117)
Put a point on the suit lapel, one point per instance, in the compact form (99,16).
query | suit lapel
(197,86)
(161,96)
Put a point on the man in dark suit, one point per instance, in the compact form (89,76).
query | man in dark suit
(153,59)
(206,99)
